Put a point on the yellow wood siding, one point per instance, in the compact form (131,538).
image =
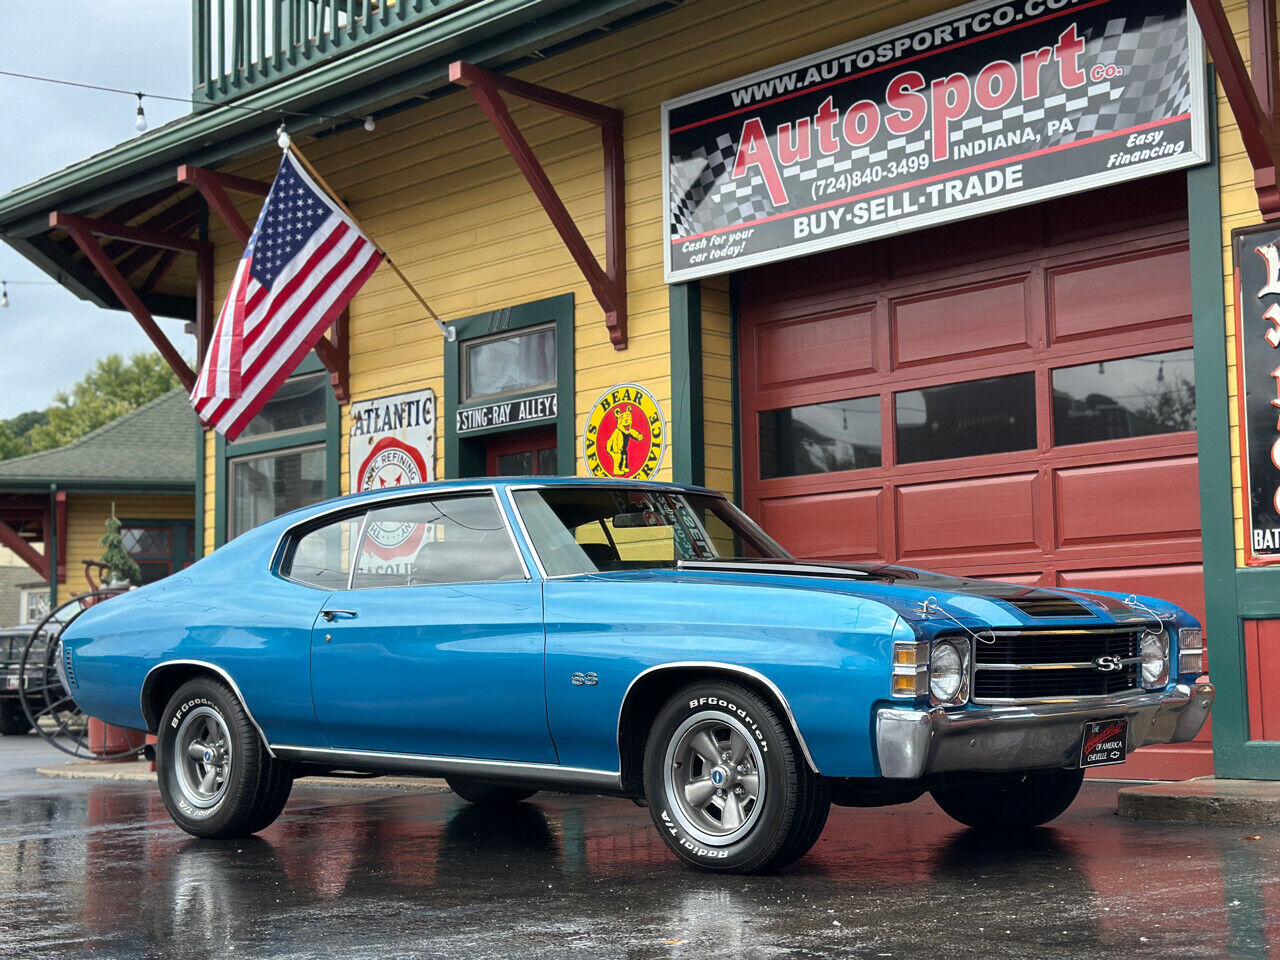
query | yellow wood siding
(435,186)
(1239,209)
(87,516)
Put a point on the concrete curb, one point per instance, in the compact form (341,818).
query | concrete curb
(1203,800)
(139,772)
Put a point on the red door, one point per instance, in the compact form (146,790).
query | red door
(525,453)
(1010,397)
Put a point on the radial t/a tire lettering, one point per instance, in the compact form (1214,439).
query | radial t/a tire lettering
(727,786)
(216,777)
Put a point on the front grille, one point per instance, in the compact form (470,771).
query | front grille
(996,676)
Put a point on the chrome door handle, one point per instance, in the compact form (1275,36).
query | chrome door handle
(332,615)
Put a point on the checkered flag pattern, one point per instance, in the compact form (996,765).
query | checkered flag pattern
(1155,82)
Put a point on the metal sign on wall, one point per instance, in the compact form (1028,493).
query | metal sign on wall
(988,106)
(393,441)
(1256,252)
(507,413)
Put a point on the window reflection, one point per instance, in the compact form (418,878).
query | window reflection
(1130,397)
(820,438)
(267,486)
(996,415)
(510,364)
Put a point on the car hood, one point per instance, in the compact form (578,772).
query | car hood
(922,595)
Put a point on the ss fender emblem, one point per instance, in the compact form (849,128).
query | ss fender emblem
(584,679)
(1107,664)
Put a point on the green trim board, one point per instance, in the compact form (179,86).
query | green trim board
(735,396)
(1231,594)
(329,435)
(687,428)
(51,548)
(463,455)
(199,518)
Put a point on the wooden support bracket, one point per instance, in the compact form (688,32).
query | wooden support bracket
(1254,98)
(85,232)
(23,550)
(332,350)
(610,283)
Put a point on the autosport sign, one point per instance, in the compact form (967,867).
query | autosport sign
(983,107)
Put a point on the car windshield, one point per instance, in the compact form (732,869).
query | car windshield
(592,529)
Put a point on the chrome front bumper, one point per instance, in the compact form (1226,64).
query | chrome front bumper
(913,743)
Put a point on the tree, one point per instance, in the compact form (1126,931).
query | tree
(112,388)
(120,566)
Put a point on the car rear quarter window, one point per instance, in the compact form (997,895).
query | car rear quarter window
(445,540)
(322,557)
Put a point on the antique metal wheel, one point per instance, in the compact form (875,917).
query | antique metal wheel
(715,777)
(45,690)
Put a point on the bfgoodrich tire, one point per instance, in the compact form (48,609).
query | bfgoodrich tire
(487,794)
(216,777)
(726,783)
(13,721)
(1004,802)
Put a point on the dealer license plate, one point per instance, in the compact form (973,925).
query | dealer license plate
(1104,742)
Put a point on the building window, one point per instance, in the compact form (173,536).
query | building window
(267,485)
(1129,397)
(159,549)
(820,438)
(297,405)
(996,415)
(284,459)
(34,605)
(510,363)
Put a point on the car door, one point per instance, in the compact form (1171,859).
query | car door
(436,648)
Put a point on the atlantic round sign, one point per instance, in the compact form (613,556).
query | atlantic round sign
(625,436)
(392,463)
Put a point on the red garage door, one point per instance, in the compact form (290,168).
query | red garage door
(1011,397)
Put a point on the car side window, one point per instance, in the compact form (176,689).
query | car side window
(322,557)
(460,539)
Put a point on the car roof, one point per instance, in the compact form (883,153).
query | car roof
(302,514)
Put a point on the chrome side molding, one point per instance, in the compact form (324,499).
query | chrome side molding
(444,766)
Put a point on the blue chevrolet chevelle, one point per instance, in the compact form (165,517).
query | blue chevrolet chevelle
(641,640)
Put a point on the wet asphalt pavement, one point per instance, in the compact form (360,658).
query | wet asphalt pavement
(97,869)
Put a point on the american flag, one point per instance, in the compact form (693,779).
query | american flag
(305,260)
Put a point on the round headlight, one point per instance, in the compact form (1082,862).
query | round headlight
(946,672)
(1155,659)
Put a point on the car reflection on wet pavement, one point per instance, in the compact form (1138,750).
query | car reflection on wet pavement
(99,869)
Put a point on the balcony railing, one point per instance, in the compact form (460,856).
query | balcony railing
(240,46)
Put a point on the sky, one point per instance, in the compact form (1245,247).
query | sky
(49,338)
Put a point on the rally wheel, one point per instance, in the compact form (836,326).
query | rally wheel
(726,783)
(216,776)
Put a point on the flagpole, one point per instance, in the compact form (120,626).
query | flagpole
(448,332)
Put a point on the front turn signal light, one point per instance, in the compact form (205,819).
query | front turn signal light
(910,669)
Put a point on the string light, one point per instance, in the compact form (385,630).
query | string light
(140,121)
(4,288)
